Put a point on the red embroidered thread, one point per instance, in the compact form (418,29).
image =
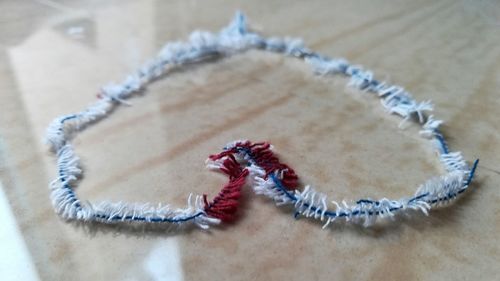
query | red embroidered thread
(263,156)
(225,205)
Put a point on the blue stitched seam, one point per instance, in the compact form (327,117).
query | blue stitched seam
(153,219)
(441,140)
(472,172)
(278,183)
(280,186)
(107,217)
(62,176)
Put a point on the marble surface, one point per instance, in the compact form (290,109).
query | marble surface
(54,56)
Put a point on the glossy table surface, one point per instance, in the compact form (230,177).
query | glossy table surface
(55,55)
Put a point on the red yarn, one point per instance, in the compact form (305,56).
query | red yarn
(225,205)
(263,156)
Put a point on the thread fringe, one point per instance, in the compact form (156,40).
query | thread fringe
(242,159)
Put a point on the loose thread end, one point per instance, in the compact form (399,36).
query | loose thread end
(472,172)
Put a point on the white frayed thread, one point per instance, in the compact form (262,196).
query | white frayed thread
(233,39)
(401,103)
(55,135)
(200,46)
(288,46)
(268,188)
(359,78)
(69,207)
(323,67)
(453,161)
(442,190)
(313,204)
(430,126)
(215,165)
(63,198)
(112,212)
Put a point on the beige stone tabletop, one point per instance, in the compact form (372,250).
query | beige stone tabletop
(54,56)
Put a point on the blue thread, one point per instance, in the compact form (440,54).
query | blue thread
(373,84)
(472,172)
(441,140)
(343,68)
(62,176)
(293,198)
(71,194)
(66,118)
(240,22)
(157,219)
(331,214)
(366,201)
(74,199)
(418,197)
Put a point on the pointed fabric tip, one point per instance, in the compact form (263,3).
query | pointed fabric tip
(241,22)
(238,25)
